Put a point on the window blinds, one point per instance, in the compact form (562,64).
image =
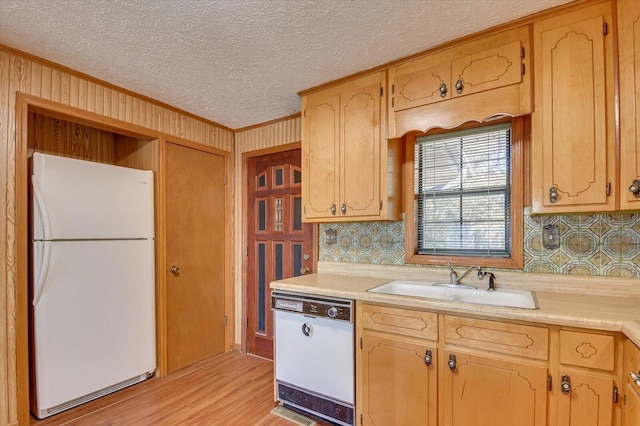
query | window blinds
(462,192)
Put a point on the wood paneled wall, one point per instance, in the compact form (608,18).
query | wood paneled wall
(255,138)
(58,137)
(23,73)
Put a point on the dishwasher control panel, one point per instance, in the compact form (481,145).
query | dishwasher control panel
(338,309)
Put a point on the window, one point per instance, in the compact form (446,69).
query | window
(465,204)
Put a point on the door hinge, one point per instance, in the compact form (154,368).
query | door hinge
(522,52)
(380,205)
(608,189)
(224,179)
(393,89)
(247,323)
(615,395)
(522,69)
(605,29)
(361,343)
(304,113)
(360,418)
(393,102)
(549,383)
(381,91)
(225,320)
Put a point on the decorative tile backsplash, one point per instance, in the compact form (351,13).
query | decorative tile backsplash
(594,244)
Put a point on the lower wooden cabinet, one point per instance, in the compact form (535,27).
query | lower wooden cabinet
(631,389)
(416,367)
(400,386)
(584,399)
(492,391)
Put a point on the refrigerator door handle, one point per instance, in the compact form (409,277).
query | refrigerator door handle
(43,272)
(42,207)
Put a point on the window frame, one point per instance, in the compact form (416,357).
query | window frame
(516,258)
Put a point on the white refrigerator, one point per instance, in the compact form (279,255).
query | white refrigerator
(93,285)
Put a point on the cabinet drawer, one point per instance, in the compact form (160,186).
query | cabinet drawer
(507,338)
(405,322)
(587,350)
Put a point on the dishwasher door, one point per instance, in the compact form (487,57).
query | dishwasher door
(316,354)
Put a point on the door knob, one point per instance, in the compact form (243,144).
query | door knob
(175,270)
(304,270)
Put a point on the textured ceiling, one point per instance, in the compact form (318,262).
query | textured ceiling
(239,62)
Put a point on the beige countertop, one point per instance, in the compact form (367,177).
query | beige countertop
(611,311)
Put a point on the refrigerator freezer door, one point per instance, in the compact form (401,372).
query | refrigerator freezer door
(94,324)
(77,199)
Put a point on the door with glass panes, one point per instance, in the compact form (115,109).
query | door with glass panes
(279,245)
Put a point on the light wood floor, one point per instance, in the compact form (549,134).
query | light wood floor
(227,389)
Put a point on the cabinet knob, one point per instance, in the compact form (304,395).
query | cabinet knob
(459,86)
(333,209)
(175,270)
(343,209)
(304,270)
(565,386)
(452,362)
(443,90)
(428,357)
(635,188)
(553,194)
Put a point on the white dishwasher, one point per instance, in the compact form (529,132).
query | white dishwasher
(314,355)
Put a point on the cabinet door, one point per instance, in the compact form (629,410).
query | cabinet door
(629,63)
(573,141)
(588,403)
(398,387)
(419,82)
(487,69)
(320,153)
(631,409)
(360,138)
(631,390)
(486,391)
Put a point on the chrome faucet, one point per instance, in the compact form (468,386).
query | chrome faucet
(455,279)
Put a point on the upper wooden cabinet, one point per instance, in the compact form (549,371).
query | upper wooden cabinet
(345,156)
(434,91)
(629,72)
(573,125)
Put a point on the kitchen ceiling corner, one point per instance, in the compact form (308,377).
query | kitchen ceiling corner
(239,63)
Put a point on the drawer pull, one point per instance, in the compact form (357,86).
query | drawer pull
(565,386)
(452,362)
(428,357)
(635,377)
(443,90)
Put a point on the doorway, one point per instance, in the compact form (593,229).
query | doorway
(195,241)
(279,245)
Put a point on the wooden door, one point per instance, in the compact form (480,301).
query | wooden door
(360,138)
(320,150)
(589,403)
(398,387)
(485,391)
(573,141)
(195,209)
(279,245)
(629,62)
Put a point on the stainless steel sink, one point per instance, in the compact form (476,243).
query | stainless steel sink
(500,297)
